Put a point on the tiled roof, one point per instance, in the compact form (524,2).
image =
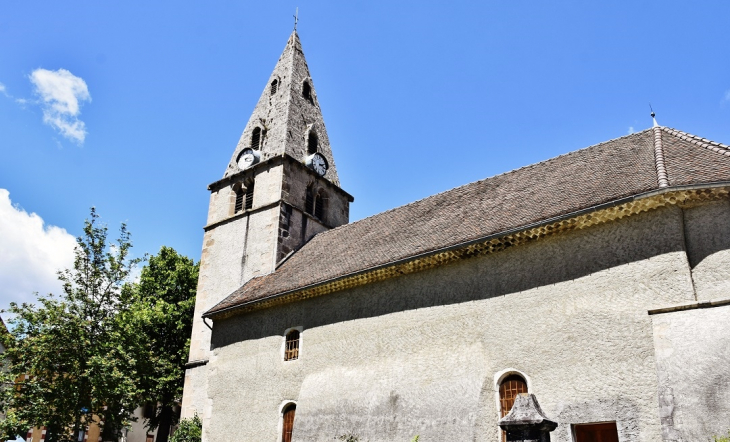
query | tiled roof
(599,174)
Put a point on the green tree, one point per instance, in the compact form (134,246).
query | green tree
(190,430)
(66,363)
(162,319)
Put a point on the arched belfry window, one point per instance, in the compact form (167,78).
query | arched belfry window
(312,143)
(240,195)
(291,346)
(288,427)
(307,90)
(309,201)
(256,138)
(319,203)
(248,200)
(509,388)
(274,86)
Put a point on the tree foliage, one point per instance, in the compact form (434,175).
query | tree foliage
(190,430)
(66,362)
(162,319)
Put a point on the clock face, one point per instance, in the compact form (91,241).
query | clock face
(319,164)
(246,159)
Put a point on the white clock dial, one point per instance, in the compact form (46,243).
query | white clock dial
(247,158)
(319,164)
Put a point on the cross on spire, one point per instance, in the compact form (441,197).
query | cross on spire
(296,19)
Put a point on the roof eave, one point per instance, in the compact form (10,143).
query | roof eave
(227,311)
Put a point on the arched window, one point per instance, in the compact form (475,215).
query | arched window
(319,201)
(312,143)
(240,193)
(307,91)
(256,138)
(249,195)
(309,201)
(288,426)
(291,348)
(509,388)
(274,86)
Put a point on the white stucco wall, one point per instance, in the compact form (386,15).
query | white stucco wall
(418,354)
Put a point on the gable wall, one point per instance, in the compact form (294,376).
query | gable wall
(419,354)
(693,346)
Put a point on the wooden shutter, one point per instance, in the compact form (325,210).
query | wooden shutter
(274,85)
(288,423)
(249,195)
(319,206)
(312,143)
(605,432)
(239,201)
(256,138)
(309,201)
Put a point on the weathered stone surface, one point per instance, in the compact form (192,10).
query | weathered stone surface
(287,116)
(526,421)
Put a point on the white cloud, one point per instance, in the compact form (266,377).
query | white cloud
(3,90)
(727,95)
(62,94)
(631,130)
(30,254)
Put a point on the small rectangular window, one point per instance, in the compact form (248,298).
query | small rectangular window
(291,350)
(603,432)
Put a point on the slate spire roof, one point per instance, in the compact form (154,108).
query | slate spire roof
(287,111)
(654,159)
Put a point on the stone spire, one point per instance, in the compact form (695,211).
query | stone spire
(287,114)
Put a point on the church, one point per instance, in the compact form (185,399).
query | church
(598,281)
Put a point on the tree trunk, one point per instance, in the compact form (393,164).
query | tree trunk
(163,430)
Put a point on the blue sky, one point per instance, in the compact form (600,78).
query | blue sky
(418,97)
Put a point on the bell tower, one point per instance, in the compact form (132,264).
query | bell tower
(279,189)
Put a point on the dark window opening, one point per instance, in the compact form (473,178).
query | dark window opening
(288,426)
(291,350)
(256,138)
(605,432)
(319,206)
(307,91)
(239,201)
(274,86)
(148,412)
(309,201)
(249,195)
(510,387)
(312,143)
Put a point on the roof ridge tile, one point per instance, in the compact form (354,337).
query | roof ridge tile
(713,146)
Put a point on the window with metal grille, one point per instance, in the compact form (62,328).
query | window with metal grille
(256,138)
(510,387)
(604,432)
(288,426)
(239,201)
(291,348)
(309,201)
(319,205)
(312,143)
(307,91)
(249,195)
(274,86)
